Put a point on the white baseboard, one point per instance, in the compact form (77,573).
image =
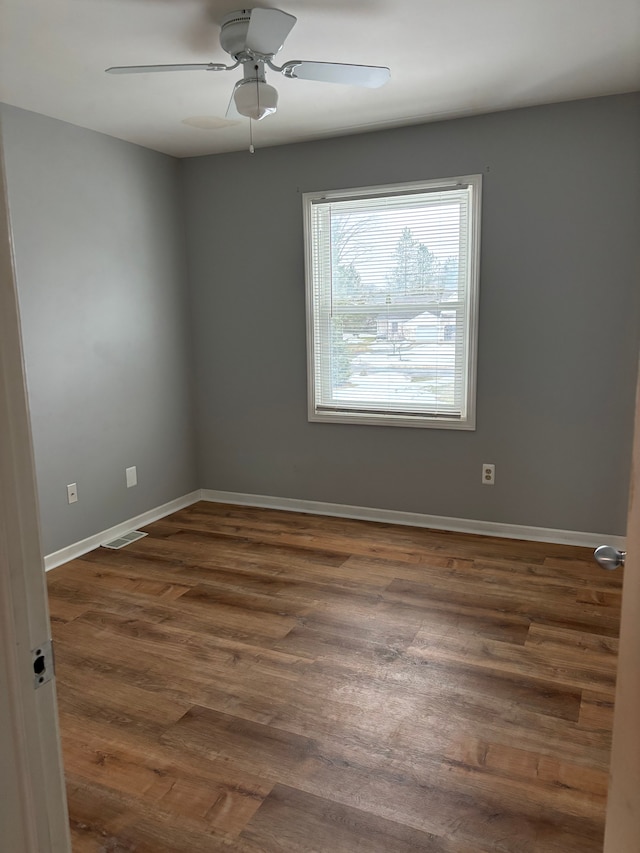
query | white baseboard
(77,549)
(415,519)
(387,516)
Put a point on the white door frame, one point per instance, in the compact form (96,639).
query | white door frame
(33,809)
(622,834)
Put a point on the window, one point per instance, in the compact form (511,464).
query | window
(392,290)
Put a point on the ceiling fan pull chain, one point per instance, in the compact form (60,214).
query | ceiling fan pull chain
(252,150)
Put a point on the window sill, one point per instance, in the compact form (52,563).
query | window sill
(361,418)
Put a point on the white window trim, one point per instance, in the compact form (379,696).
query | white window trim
(401,419)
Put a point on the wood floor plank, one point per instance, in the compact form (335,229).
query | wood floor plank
(341,535)
(359,770)
(516,763)
(99,745)
(107,821)
(257,681)
(158,587)
(205,656)
(553,606)
(493,654)
(589,652)
(205,669)
(210,516)
(199,544)
(210,616)
(596,712)
(495,573)
(130,704)
(610,599)
(272,753)
(427,797)
(212,803)
(291,821)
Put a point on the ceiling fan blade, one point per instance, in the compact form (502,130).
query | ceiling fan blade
(232,111)
(144,69)
(371,76)
(268,28)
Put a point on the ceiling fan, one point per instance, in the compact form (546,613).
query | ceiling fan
(252,37)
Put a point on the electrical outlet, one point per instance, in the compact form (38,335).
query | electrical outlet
(72,493)
(488,474)
(132,476)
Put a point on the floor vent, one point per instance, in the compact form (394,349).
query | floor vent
(125,539)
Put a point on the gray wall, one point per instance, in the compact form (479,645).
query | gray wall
(101,270)
(558,320)
(98,227)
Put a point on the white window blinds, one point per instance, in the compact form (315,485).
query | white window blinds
(391,296)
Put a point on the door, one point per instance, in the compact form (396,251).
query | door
(33,813)
(622,833)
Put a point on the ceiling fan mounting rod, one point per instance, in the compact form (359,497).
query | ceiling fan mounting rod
(252,56)
(288,69)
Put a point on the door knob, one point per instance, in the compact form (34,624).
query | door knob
(609,558)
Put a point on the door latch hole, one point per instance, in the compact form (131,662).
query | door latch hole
(42,663)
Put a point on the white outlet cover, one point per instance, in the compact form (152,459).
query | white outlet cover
(488,474)
(132,476)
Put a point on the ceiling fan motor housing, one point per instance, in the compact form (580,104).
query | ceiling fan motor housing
(233,33)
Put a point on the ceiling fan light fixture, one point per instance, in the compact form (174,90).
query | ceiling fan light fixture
(255,99)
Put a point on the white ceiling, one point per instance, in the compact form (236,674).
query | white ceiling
(447,58)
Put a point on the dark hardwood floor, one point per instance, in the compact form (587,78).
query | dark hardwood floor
(250,680)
